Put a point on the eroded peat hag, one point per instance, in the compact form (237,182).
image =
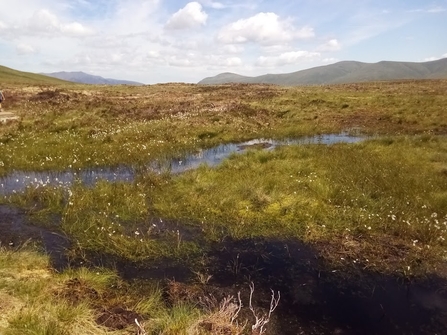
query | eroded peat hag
(319,299)
(315,296)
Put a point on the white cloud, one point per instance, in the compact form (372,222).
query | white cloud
(432,58)
(180,62)
(263,28)
(189,16)
(331,45)
(233,61)
(3,26)
(292,57)
(25,49)
(212,4)
(432,10)
(330,60)
(131,16)
(233,49)
(75,29)
(43,21)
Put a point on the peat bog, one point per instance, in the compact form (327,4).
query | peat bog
(351,232)
(315,297)
(18,181)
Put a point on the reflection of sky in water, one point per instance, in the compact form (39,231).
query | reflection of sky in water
(19,180)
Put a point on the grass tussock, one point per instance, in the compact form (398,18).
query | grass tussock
(316,193)
(94,302)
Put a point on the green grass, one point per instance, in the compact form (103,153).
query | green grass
(389,193)
(14,77)
(71,301)
(30,306)
(379,203)
(86,126)
(376,189)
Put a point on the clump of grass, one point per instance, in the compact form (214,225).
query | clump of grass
(316,193)
(179,320)
(69,302)
(28,284)
(114,218)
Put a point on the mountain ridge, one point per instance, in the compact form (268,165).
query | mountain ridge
(342,72)
(85,78)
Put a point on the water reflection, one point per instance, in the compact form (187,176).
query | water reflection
(18,181)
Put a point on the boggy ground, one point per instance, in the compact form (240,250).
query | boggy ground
(79,126)
(352,235)
(316,297)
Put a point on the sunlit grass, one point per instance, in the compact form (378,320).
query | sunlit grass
(63,128)
(36,300)
(380,203)
(316,193)
(29,305)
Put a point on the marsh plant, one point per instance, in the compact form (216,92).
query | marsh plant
(356,204)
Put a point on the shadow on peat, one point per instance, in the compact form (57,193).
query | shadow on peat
(315,298)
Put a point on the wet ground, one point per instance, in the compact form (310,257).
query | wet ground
(19,180)
(17,229)
(315,299)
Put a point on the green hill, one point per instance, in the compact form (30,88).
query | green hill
(10,76)
(343,72)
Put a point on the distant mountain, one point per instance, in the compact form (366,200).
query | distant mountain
(11,76)
(84,78)
(343,72)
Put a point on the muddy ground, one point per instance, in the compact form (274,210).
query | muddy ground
(315,298)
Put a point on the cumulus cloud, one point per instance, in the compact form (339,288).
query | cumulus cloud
(43,21)
(233,49)
(263,28)
(3,26)
(25,49)
(330,60)
(233,61)
(190,16)
(331,45)
(292,57)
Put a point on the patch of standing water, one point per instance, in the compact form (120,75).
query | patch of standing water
(18,181)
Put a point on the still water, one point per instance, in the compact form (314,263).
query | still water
(18,181)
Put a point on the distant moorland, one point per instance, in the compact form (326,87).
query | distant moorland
(100,234)
(343,72)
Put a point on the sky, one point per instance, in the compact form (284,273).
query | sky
(159,41)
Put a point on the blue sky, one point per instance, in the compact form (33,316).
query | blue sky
(155,41)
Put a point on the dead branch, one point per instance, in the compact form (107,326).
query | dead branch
(262,320)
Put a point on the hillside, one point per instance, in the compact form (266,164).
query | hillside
(343,72)
(84,78)
(10,76)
